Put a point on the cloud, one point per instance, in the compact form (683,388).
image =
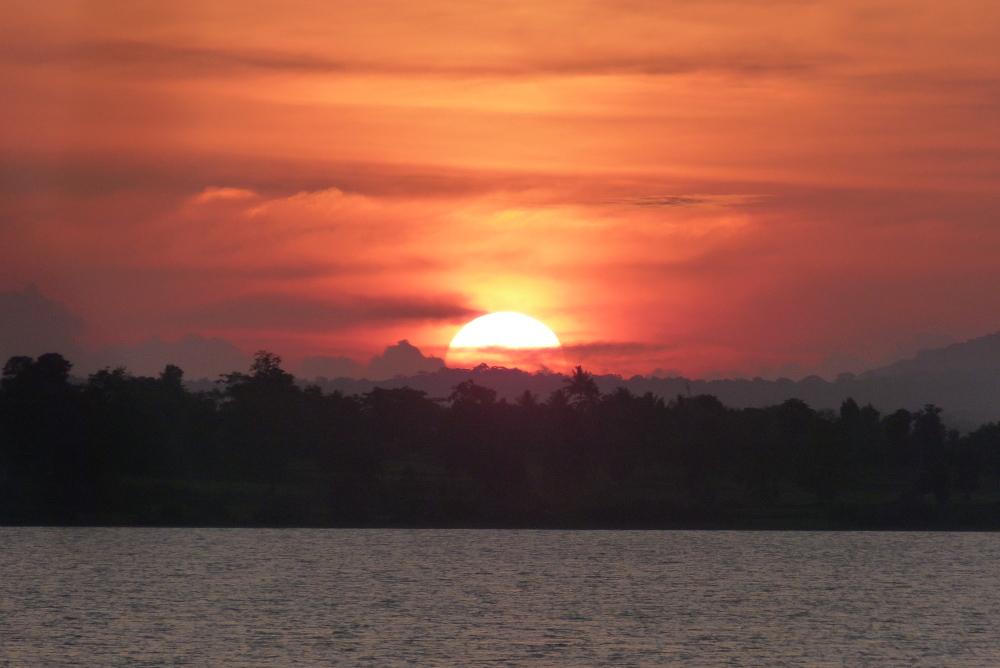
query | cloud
(611,348)
(161,59)
(691,200)
(172,60)
(215,193)
(617,356)
(32,325)
(402,359)
(164,60)
(290,313)
(101,172)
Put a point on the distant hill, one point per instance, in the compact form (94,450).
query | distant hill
(962,378)
(976,357)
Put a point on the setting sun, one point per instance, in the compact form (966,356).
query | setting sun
(505,339)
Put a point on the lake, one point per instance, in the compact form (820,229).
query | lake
(355,597)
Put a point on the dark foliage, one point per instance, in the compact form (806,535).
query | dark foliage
(260,450)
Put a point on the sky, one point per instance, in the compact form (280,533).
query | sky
(699,188)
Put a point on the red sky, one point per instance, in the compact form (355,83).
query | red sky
(694,186)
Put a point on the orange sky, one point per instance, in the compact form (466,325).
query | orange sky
(695,186)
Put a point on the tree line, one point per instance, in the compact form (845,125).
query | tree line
(259,450)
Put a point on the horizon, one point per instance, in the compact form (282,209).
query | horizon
(31,324)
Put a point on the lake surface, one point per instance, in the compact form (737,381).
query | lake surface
(314,597)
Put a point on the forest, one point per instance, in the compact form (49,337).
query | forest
(260,450)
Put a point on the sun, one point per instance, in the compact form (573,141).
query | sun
(506,339)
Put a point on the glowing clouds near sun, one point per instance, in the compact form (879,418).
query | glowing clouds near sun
(506,339)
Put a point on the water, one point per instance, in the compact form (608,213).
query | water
(248,598)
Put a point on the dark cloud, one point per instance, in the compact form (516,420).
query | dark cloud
(289,313)
(690,200)
(277,272)
(167,60)
(675,200)
(722,261)
(739,64)
(402,359)
(153,59)
(157,59)
(874,207)
(615,348)
(176,177)
(96,174)
(32,325)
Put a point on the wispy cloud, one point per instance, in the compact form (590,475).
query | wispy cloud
(158,59)
(690,200)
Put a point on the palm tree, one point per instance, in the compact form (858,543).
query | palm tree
(582,389)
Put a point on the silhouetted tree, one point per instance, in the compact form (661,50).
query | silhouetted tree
(467,395)
(897,427)
(43,440)
(977,456)
(581,389)
(260,449)
(527,400)
(260,419)
(930,441)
